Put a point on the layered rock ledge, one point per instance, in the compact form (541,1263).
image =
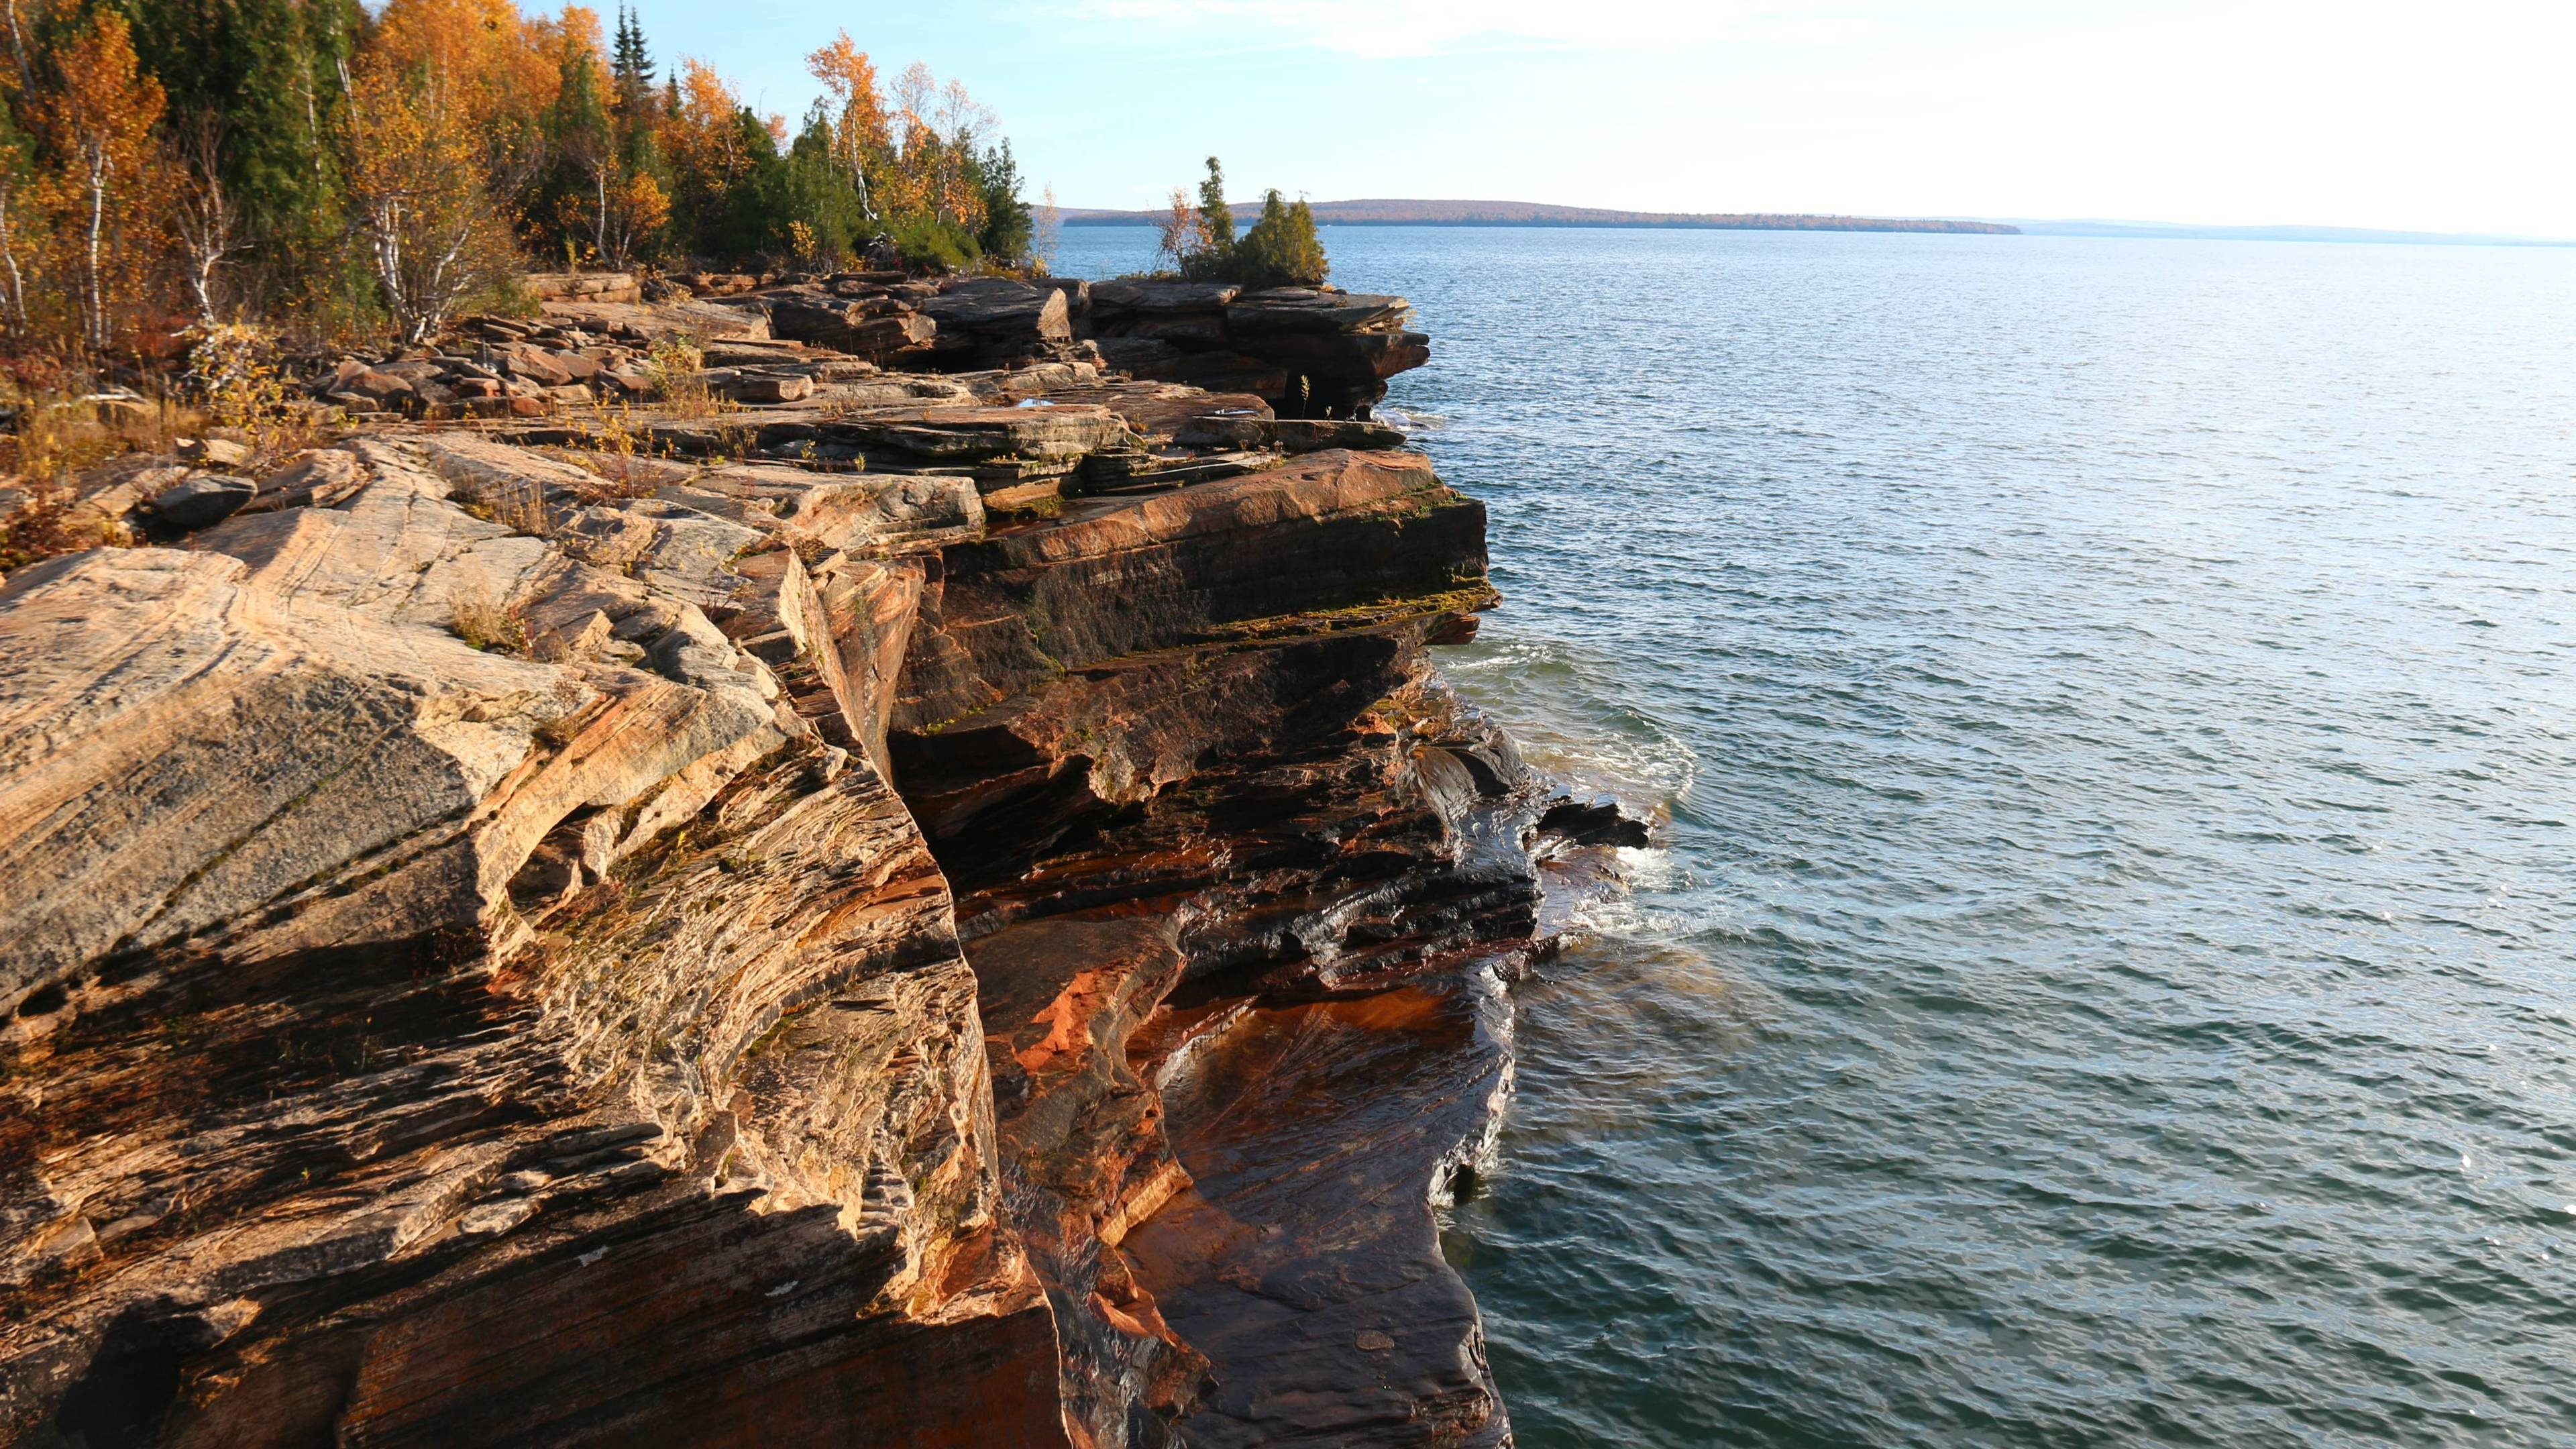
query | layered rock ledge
(952,908)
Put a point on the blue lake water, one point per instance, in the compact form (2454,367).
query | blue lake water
(2111,974)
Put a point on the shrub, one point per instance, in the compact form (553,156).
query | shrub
(926,241)
(1281,250)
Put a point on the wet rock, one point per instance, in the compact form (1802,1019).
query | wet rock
(1305,1262)
(1595,821)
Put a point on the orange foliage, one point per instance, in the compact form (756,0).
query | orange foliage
(701,135)
(495,66)
(930,173)
(418,195)
(860,134)
(99,120)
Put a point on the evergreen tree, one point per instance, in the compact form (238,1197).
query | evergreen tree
(264,76)
(1213,247)
(1008,227)
(809,209)
(1281,249)
(581,157)
(631,64)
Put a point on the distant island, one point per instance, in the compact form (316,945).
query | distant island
(1534,213)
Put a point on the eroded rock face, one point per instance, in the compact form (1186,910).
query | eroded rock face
(954,911)
(415,1043)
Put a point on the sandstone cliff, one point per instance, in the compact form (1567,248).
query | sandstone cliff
(939,910)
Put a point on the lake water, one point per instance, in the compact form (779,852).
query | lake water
(2111,974)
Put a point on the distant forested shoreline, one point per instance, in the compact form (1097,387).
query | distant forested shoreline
(1523,213)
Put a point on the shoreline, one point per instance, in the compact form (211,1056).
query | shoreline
(948,863)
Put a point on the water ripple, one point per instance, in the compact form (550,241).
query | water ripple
(2109,980)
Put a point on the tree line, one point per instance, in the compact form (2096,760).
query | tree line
(336,172)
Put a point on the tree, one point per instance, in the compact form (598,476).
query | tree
(98,124)
(710,152)
(631,65)
(266,77)
(202,214)
(1175,228)
(418,195)
(1213,243)
(860,137)
(494,69)
(17,171)
(582,166)
(1008,227)
(805,203)
(1281,249)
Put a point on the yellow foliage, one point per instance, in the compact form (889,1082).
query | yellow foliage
(418,194)
(490,63)
(98,120)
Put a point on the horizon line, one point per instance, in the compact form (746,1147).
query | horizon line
(1558,214)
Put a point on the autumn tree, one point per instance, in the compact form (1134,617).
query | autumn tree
(203,217)
(710,149)
(860,139)
(418,196)
(1174,228)
(18,218)
(97,122)
(494,68)
(332,163)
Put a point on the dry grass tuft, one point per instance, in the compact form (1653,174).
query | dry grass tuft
(485,623)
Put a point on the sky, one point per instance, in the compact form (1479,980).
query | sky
(2434,115)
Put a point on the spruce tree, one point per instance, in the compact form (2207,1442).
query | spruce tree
(264,77)
(631,65)
(581,155)
(1281,249)
(1216,224)
(1008,226)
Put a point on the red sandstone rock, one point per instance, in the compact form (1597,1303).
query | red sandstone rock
(516,947)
